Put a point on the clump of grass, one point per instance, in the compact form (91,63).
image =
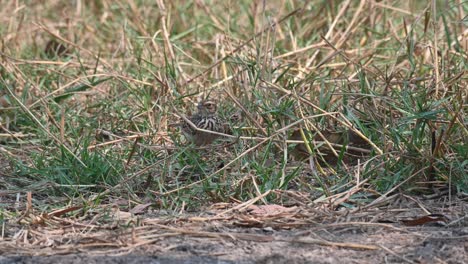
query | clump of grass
(100,116)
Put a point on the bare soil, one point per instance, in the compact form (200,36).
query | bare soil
(224,233)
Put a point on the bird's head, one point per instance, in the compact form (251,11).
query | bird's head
(207,107)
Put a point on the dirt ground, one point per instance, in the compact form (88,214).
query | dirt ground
(395,245)
(395,232)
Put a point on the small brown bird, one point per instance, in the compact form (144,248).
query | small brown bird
(206,118)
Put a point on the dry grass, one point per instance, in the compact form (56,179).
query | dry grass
(346,102)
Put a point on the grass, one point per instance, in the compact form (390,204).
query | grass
(95,121)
